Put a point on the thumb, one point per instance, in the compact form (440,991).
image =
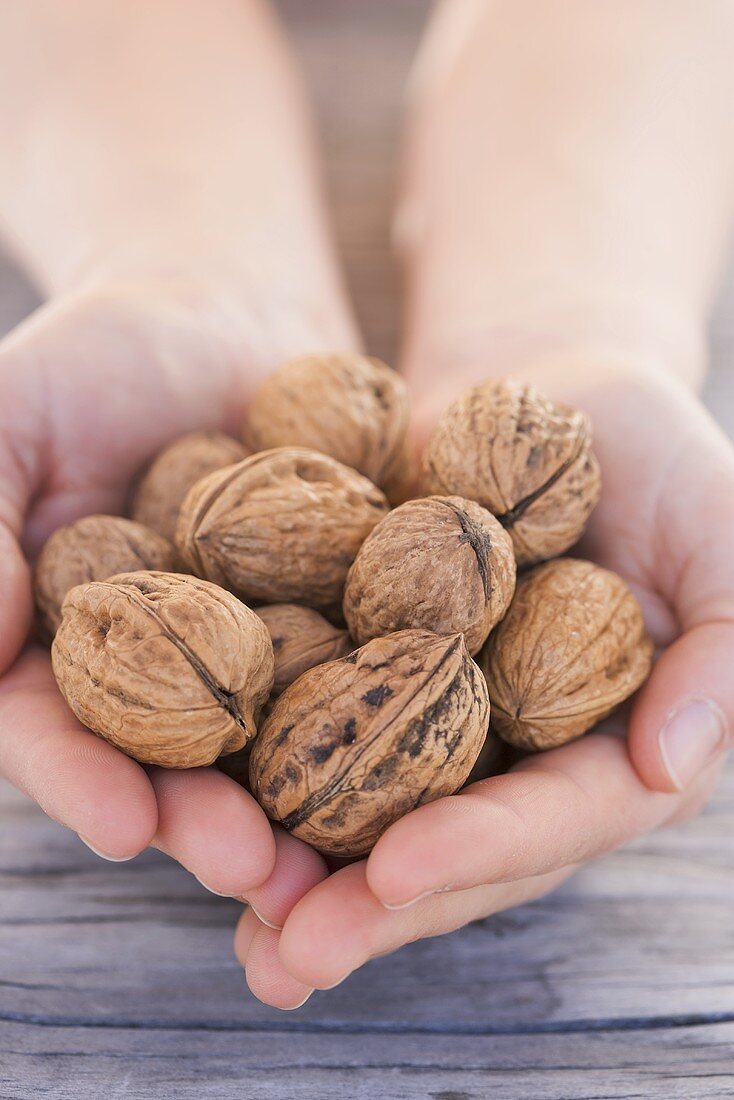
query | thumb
(18,457)
(683,719)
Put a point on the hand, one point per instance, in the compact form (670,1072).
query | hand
(666,523)
(90,387)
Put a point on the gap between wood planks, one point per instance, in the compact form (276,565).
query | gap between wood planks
(551,1027)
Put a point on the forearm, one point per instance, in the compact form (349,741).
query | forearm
(595,208)
(140,134)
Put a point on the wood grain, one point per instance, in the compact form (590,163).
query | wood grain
(119,980)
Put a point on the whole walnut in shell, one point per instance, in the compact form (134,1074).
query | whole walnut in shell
(347,405)
(355,744)
(572,647)
(171,474)
(301,640)
(441,563)
(170,669)
(283,526)
(92,549)
(525,458)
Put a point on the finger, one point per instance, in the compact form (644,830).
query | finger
(298,868)
(256,947)
(550,811)
(16,602)
(684,716)
(340,924)
(683,719)
(214,828)
(77,778)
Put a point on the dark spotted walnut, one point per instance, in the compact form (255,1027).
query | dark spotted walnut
(346,405)
(161,491)
(170,669)
(354,745)
(442,564)
(301,640)
(92,549)
(281,527)
(526,459)
(572,647)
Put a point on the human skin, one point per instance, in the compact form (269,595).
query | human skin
(161,210)
(566,204)
(563,237)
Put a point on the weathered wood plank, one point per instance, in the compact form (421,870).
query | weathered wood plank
(641,939)
(646,932)
(64,1064)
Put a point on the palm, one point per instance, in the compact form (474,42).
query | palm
(665,522)
(89,389)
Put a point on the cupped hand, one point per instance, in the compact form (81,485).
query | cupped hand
(666,523)
(90,387)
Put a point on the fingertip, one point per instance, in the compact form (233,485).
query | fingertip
(680,722)
(409,862)
(214,828)
(16,598)
(266,976)
(326,936)
(298,868)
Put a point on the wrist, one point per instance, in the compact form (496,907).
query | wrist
(577,372)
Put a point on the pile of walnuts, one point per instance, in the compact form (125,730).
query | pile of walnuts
(265,608)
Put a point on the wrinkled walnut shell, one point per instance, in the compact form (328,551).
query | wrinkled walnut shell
(301,640)
(168,668)
(281,527)
(354,745)
(92,549)
(161,491)
(572,647)
(526,459)
(349,406)
(441,563)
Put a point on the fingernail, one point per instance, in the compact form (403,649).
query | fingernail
(326,988)
(261,918)
(103,855)
(215,892)
(420,897)
(292,1008)
(693,736)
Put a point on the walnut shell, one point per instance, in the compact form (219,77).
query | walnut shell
(441,563)
(301,640)
(92,549)
(525,458)
(283,526)
(170,669)
(349,406)
(571,648)
(162,488)
(355,744)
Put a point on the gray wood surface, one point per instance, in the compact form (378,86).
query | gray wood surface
(119,980)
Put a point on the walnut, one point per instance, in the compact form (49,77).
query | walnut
(442,563)
(170,669)
(283,526)
(92,549)
(349,406)
(525,458)
(355,744)
(301,640)
(571,648)
(171,474)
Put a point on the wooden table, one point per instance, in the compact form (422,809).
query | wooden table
(120,980)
